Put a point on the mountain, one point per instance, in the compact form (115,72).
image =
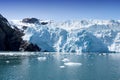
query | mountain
(72,35)
(11,38)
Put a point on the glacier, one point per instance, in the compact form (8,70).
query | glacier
(73,35)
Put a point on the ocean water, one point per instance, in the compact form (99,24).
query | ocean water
(59,66)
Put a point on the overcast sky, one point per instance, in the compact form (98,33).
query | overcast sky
(61,9)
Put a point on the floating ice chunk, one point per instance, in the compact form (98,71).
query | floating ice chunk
(65,60)
(7,61)
(72,64)
(11,54)
(102,54)
(41,58)
(14,66)
(46,53)
(62,66)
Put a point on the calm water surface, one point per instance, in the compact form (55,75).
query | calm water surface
(55,66)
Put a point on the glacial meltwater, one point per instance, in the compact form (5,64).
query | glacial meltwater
(59,66)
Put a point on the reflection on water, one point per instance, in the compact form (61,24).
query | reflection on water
(55,66)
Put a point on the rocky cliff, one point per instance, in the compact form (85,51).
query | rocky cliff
(10,38)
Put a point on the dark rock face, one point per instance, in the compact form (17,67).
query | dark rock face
(24,27)
(10,39)
(30,20)
(5,33)
(25,46)
(2,38)
(44,23)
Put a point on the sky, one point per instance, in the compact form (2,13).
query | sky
(60,9)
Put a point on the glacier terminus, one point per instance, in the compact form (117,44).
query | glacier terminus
(72,35)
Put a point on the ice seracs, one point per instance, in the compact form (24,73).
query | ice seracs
(116,43)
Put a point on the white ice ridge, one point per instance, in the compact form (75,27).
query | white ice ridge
(74,36)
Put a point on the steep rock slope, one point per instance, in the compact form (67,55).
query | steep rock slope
(10,39)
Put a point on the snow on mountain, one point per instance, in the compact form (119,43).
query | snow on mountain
(73,36)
